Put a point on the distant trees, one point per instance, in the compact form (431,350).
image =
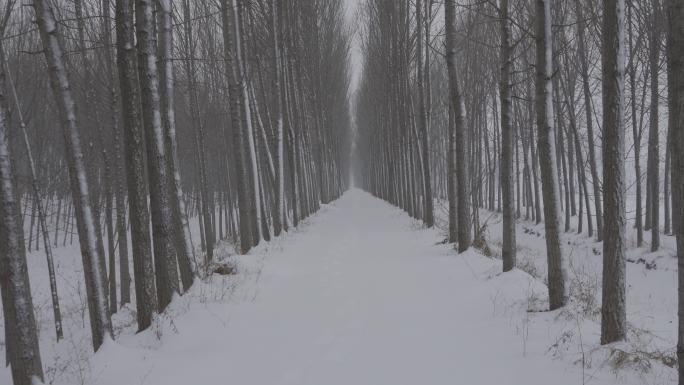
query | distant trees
(589,117)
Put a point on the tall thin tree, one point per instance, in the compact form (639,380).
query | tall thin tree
(547,154)
(93,262)
(508,249)
(462,179)
(613,315)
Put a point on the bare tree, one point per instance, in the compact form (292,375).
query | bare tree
(423,124)
(165,268)
(589,114)
(653,137)
(93,261)
(508,249)
(462,193)
(675,59)
(143,269)
(181,229)
(547,154)
(39,203)
(279,219)
(23,353)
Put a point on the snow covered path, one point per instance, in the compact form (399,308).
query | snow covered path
(361,295)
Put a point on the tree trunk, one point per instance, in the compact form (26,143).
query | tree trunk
(181,230)
(508,249)
(638,223)
(36,192)
(653,137)
(93,263)
(547,155)
(451,177)
(613,322)
(279,212)
(462,179)
(423,120)
(165,269)
(143,270)
(23,353)
(675,58)
(119,173)
(230,42)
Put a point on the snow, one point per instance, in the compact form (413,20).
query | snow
(358,294)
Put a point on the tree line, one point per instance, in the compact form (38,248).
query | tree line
(123,120)
(533,109)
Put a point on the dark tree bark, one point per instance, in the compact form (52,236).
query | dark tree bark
(143,270)
(508,249)
(675,60)
(165,269)
(613,316)
(636,133)
(653,137)
(23,353)
(119,172)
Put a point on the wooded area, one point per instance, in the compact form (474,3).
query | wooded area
(526,102)
(246,100)
(123,121)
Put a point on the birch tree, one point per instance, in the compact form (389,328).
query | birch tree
(93,262)
(181,230)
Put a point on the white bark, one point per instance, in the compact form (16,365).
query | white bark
(94,270)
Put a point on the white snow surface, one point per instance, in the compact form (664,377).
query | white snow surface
(358,294)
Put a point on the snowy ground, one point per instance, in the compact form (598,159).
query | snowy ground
(649,354)
(362,294)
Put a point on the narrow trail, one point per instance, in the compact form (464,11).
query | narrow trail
(362,295)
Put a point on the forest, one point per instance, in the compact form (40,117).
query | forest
(280,188)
